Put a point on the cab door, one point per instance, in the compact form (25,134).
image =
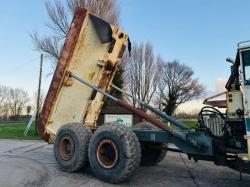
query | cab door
(245,77)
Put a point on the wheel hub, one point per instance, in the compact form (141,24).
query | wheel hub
(66,148)
(107,153)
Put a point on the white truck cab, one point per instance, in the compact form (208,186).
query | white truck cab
(244,57)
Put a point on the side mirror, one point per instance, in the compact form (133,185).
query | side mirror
(230,60)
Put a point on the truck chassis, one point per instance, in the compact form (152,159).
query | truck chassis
(83,79)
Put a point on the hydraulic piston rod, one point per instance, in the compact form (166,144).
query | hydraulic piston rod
(152,109)
(140,113)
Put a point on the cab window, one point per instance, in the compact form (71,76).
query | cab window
(246,66)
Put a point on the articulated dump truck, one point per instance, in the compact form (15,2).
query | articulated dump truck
(83,79)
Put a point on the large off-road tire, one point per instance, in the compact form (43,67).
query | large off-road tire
(71,146)
(114,153)
(151,152)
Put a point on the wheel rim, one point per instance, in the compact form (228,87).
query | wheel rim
(107,153)
(66,147)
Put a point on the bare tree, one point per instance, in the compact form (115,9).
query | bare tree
(60,16)
(177,86)
(3,99)
(17,98)
(142,73)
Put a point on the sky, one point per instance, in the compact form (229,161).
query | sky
(199,33)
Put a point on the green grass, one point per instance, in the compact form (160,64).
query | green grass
(190,123)
(16,132)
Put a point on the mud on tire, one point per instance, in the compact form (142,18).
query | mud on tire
(71,146)
(151,152)
(114,153)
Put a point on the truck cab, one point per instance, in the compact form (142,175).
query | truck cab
(244,59)
(233,126)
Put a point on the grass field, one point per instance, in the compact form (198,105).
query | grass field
(190,123)
(16,132)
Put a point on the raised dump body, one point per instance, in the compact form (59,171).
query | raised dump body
(92,50)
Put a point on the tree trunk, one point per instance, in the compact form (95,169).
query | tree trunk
(170,106)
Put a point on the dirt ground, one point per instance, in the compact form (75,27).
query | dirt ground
(31,163)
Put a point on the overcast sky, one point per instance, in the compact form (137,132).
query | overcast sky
(199,33)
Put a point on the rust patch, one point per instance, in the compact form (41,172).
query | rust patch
(60,71)
(91,76)
(144,115)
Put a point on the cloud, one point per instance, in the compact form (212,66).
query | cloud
(190,107)
(196,105)
(220,84)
